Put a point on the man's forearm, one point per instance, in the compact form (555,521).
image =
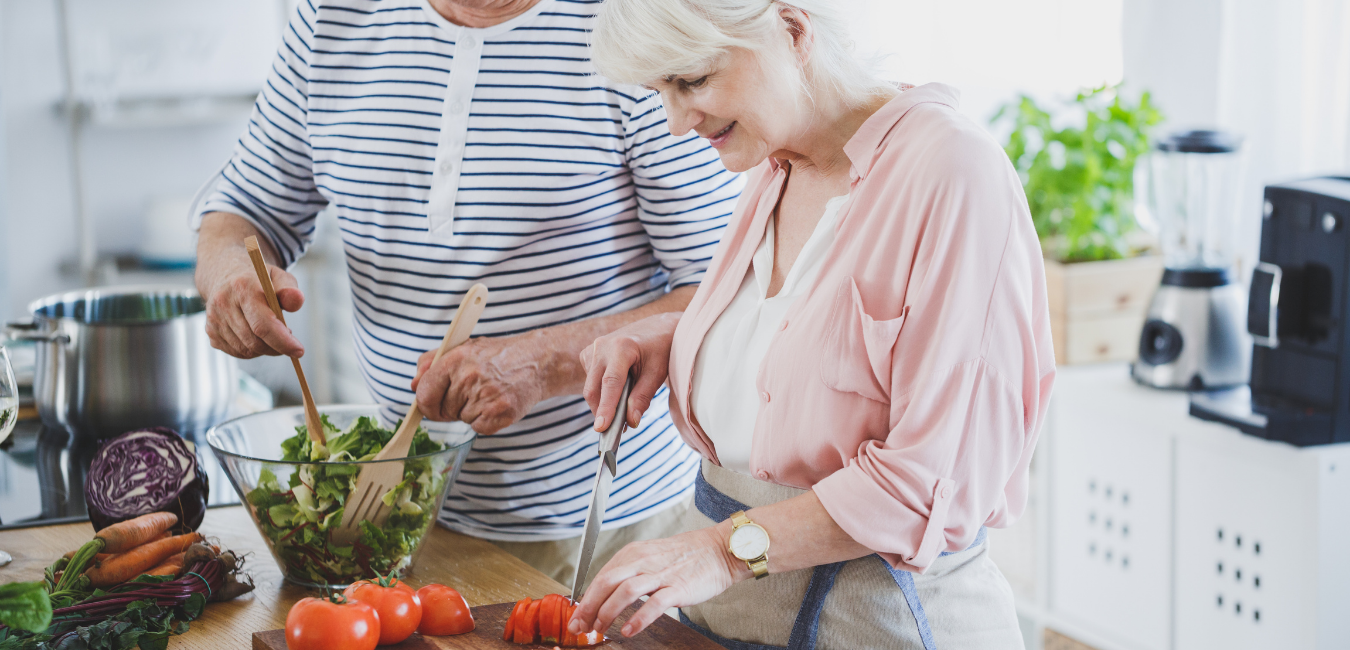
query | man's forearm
(220,243)
(565,374)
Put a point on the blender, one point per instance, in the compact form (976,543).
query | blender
(1194,335)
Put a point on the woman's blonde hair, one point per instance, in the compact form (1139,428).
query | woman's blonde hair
(638,41)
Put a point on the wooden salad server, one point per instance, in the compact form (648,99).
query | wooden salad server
(366,502)
(313,423)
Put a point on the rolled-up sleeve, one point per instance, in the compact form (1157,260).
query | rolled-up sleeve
(970,373)
(685,196)
(270,180)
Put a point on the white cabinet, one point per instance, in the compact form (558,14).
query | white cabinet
(1260,543)
(1111,524)
(1153,530)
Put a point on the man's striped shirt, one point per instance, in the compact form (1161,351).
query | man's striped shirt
(452,156)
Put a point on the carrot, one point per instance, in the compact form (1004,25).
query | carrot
(103,556)
(126,535)
(139,560)
(169,567)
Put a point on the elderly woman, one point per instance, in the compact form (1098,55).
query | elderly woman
(864,368)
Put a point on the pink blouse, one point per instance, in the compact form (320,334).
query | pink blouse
(907,386)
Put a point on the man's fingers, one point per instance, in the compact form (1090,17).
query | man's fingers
(290,299)
(264,325)
(431,388)
(423,362)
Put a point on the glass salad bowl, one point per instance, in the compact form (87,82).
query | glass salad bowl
(296,503)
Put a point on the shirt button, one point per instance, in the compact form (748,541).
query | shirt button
(783,326)
(469,41)
(446,166)
(765,395)
(763,475)
(457,108)
(946,491)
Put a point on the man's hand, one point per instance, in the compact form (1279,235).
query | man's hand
(491,383)
(238,320)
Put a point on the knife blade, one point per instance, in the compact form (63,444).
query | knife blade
(604,475)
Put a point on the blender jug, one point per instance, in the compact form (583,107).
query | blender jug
(1195,335)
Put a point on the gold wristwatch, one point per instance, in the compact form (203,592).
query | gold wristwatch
(749,542)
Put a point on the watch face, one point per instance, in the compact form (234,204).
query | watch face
(749,542)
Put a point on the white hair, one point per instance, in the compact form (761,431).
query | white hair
(639,41)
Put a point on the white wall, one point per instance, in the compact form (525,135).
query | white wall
(124,168)
(1275,71)
(993,49)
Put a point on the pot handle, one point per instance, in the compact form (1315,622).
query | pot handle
(28,331)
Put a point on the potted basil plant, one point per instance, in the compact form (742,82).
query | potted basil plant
(1077,166)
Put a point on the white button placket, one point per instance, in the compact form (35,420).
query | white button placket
(454,132)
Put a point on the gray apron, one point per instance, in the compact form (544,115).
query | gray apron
(962,601)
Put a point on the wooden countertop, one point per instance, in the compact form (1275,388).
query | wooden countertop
(483,573)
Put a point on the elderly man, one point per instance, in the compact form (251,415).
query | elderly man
(465,141)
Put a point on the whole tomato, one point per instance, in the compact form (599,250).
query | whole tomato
(337,624)
(396,604)
(444,611)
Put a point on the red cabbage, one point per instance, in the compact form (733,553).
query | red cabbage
(144,471)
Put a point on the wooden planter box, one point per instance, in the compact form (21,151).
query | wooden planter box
(1097,308)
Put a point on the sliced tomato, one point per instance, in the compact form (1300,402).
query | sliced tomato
(532,622)
(569,639)
(509,632)
(589,639)
(527,629)
(548,619)
(564,606)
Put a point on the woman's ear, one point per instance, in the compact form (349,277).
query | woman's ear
(799,28)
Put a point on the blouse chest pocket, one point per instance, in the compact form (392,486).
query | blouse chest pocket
(858,348)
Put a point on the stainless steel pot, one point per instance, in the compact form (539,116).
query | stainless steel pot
(112,360)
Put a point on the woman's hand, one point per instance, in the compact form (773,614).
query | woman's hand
(641,349)
(678,571)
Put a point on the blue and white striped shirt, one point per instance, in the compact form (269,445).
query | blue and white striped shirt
(452,156)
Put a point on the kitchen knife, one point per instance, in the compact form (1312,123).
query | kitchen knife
(609,466)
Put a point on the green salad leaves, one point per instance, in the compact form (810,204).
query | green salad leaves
(298,518)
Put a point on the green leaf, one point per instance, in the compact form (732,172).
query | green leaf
(25,606)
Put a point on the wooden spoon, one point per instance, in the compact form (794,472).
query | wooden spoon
(312,421)
(366,502)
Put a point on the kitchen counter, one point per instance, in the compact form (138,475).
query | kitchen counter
(483,573)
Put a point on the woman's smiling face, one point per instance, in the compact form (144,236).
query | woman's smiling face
(748,104)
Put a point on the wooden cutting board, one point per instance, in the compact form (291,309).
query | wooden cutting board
(665,634)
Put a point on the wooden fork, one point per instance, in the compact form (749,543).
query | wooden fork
(366,502)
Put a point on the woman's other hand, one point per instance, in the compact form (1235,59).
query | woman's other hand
(640,349)
(678,571)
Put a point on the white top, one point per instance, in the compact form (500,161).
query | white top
(451,156)
(725,395)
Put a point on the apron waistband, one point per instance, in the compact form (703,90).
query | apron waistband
(717,506)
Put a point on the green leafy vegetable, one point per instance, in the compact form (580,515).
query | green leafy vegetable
(300,516)
(25,606)
(1080,179)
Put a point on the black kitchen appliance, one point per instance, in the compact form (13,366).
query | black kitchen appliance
(1297,315)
